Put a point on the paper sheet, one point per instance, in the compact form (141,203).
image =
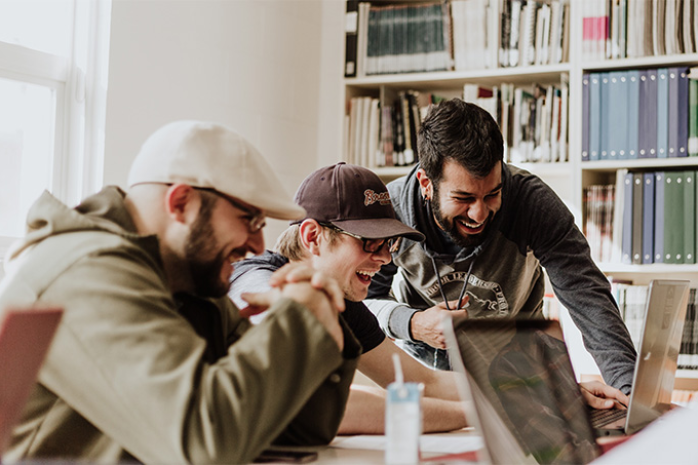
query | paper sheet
(445,444)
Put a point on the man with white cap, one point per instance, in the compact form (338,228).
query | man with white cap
(152,361)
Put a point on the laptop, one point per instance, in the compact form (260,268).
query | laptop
(655,367)
(520,390)
(25,336)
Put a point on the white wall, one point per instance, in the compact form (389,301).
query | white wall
(254,65)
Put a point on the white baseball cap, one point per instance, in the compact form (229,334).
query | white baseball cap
(209,155)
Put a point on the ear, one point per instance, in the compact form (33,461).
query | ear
(182,203)
(425,183)
(311,235)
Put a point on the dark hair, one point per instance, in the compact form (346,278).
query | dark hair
(462,132)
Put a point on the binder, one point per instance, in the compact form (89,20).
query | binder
(585,116)
(627,236)
(648,218)
(605,116)
(674,104)
(662,113)
(689,217)
(683,99)
(633,114)
(692,117)
(659,222)
(637,219)
(595,116)
(618,121)
(648,114)
(673,217)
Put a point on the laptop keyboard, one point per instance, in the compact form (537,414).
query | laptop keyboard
(601,417)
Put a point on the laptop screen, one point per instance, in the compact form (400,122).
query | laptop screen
(522,372)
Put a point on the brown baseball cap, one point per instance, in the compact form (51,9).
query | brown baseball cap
(352,198)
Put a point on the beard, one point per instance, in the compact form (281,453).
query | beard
(205,273)
(450,228)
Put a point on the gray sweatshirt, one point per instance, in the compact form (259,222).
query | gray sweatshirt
(533,229)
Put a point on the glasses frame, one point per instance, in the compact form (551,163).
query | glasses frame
(392,242)
(256,220)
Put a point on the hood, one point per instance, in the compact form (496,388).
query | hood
(413,211)
(48,216)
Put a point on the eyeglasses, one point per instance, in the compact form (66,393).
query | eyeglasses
(369,245)
(255,219)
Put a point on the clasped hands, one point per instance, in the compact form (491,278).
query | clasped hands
(301,283)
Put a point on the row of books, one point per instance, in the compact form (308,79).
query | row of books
(398,38)
(647,217)
(385,135)
(632,303)
(635,28)
(456,34)
(649,113)
(533,119)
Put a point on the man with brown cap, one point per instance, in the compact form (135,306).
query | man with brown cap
(152,362)
(348,233)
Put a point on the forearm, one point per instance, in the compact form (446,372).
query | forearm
(393,317)
(365,413)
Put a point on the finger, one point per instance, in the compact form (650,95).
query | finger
(261,299)
(464,300)
(331,288)
(282,275)
(251,310)
(457,313)
(597,402)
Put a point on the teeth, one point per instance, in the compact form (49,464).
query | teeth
(471,225)
(367,273)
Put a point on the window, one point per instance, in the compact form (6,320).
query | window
(53,70)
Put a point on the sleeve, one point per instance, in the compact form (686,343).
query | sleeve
(393,317)
(253,280)
(579,284)
(364,325)
(126,361)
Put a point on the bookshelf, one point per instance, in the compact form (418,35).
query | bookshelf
(571,175)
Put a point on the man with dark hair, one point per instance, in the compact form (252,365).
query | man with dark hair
(490,230)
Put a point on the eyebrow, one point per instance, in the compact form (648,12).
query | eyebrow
(464,193)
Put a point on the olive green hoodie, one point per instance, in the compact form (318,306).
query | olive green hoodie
(129,378)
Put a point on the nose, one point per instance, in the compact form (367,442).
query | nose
(478,211)
(383,255)
(255,242)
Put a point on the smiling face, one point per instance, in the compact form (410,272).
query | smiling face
(463,204)
(344,259)
(219,237)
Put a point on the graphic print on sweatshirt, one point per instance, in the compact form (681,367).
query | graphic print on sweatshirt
(486,297)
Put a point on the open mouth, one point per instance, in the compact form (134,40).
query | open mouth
(365,276)
(470,228)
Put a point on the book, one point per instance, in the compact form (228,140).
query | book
(351,23)
(647,139)
(617,119)
(605,114)
(684,97)
(692,116)
(618,212)
(673,112)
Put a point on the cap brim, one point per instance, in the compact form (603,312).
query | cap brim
(379,228)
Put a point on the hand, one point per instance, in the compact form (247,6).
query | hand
(603,396)
(319,293)
(426,326)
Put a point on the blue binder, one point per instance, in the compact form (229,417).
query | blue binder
(585,117)
(595,116)
(662,113)
(648,114)
(633,116)
(674,104)
(605,116)
(683,112)
(648,218)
